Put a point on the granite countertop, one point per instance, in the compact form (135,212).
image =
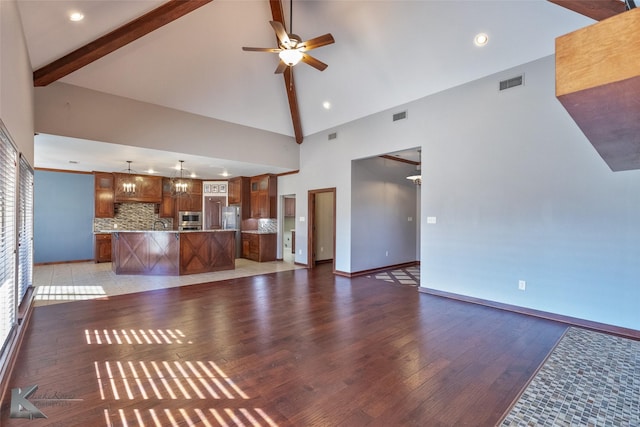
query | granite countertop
(258,232)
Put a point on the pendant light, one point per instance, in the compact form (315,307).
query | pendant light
(129,184)
(180,184)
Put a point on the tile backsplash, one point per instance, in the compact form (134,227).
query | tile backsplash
(268,225)
(132,216)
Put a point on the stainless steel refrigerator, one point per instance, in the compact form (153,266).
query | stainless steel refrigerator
(231,220)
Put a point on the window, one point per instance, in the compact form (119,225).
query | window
(8,173)
(25,229)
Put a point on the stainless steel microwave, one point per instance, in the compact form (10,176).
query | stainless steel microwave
(189,220)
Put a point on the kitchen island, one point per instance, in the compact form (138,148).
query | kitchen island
(172,253)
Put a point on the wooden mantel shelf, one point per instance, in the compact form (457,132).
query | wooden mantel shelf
(598,82)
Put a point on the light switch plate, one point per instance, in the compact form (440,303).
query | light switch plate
(431,220)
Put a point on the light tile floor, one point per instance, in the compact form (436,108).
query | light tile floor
(59,283)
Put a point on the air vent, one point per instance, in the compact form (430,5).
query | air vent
(512,82)
(400,116)
(333,135)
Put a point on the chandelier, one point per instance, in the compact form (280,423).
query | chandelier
(129,184)
(179,184)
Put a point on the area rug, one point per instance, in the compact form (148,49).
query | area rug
(589,379)
(401,276)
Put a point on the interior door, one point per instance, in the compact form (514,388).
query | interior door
(213,212)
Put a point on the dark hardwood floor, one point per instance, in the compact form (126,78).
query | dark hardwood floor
(296,348)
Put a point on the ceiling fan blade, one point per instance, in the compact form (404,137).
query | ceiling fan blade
(317,42)
(281,33)
(281,67)
(310,60)
(261,49)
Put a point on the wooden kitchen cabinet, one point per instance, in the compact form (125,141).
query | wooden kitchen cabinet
(259,247)
(103,247)
(240,195)
(289,207)
(192,201)
(148,188)
(103,195)
(168,205)
(263,196)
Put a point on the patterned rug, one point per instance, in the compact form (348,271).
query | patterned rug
(402,276)
(590,379)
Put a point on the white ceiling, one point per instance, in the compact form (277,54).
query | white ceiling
(387,52)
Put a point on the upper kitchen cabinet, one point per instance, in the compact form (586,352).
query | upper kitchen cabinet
(239,194)
(168,205)
(103,186)
(263,196)
(147,189)
(289,207)
(192,199)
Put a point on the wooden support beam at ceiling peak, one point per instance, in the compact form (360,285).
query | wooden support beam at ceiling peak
(594,9)
(114,40)
(290,87)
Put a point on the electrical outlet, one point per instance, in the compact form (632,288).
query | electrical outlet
(386,253)
(522,285)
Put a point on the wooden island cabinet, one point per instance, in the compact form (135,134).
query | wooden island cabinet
(173,253)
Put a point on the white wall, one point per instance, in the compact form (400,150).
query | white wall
(67,110)
(518,193)
(382,201)
(16,81)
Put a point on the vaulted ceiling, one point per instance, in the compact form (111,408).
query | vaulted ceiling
(386,53)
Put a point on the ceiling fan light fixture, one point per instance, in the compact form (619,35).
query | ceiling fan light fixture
(290,56)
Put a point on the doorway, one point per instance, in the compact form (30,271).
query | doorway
(321,245)
(289,228)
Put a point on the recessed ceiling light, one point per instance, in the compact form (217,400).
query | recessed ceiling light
(481,39)
(151,171)
(326,105)
(76,16)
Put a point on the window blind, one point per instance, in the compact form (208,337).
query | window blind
(25,229)
(8,173)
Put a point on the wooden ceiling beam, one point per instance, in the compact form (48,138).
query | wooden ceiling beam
(594,9)
(399,159)
(278,15)
(114,40)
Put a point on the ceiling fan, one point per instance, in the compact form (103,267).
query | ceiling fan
(291,49)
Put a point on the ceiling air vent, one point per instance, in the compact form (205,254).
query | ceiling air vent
(400,116)
(512,82)
(333,135)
